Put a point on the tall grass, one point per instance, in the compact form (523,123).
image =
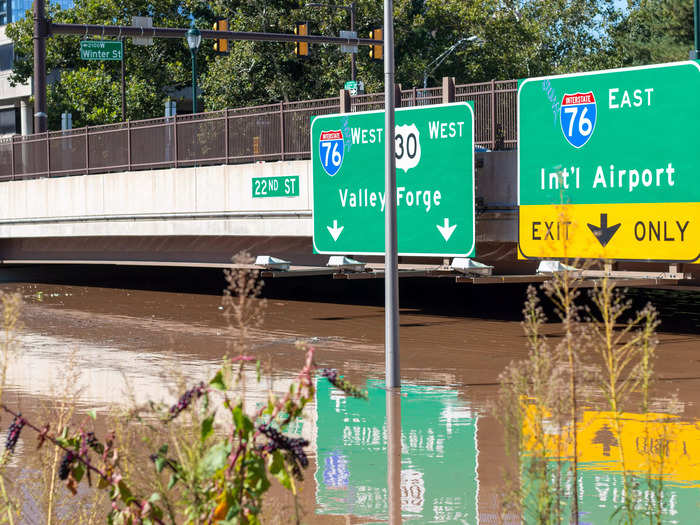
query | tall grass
(605,351)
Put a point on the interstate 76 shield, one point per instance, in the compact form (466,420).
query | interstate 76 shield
(331,149)
(578,116)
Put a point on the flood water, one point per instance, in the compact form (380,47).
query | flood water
(455,341)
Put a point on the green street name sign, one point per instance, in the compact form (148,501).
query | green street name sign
(275,186)
(434,151)
(101,50)
(608,164)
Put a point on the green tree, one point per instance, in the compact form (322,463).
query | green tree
(520,38)
(654,32)
(87,88)
(93,96)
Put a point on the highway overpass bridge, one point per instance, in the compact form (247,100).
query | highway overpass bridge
(200,216)
(180,190)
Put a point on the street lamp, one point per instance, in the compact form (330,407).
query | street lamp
(442,56)
(351,9)
(194,38)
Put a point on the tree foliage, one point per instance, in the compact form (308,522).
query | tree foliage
(87,88)
(518,38)
(654,32)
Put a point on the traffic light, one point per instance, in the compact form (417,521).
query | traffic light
(221,44)
(301,49)
(376,51)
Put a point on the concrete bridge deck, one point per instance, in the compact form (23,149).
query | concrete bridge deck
(200,216)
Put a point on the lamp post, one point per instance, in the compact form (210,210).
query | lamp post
(194,38)
(442,56)
(350,9)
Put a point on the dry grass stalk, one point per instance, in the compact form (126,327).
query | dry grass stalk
(626,350)
(540,397)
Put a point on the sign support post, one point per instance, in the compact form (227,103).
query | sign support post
(391,276)
(123,72)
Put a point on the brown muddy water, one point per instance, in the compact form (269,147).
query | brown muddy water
(139,332)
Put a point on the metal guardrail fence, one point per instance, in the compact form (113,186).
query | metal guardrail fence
(233,136)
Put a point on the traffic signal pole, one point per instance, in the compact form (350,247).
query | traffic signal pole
(39,77)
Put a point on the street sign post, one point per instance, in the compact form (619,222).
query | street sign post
(608,164)
(101,50)
(434,153)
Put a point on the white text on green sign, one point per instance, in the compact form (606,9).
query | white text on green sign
(101,50)
(434,155)
(275,186)
(615,151)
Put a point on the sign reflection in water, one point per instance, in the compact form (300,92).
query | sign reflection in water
(655,446)
(439,455)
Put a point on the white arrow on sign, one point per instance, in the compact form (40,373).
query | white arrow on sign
(334,230)
(446,230)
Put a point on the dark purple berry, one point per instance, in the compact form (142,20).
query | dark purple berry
(13,432)
(64,467)
(185,400)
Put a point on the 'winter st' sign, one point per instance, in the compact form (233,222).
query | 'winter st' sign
(608,164)
(434,151)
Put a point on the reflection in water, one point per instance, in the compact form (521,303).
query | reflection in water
(437,480)
(661,452)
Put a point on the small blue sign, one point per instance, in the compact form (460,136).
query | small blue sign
(577,116)
(331,148)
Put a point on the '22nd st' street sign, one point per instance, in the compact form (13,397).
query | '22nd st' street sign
(608,164)
(434,151)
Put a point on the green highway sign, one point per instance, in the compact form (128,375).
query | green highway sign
(434,149)
(608,164)
(275,186)
(101,50)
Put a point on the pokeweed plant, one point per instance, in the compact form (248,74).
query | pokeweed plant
(237,452)
(211,458)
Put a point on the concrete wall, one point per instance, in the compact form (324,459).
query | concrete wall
(213,200)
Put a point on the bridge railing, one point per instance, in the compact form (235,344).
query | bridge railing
(233,136)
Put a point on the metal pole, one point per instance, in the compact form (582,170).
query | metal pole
(393,426)
(123,81)
(194,81)
(12,157)
(353,65)
(282,145)
(391,279)
(40,111)
(128,145)
(697,30)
